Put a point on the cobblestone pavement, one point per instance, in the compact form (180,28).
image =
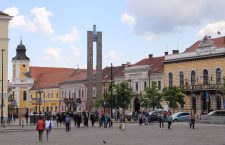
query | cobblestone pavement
(180,134)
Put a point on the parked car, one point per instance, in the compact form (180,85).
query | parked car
(181,117)
(153,116)
(215,117)
(217,113)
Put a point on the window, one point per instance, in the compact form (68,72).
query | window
(205,76)
(145,85)
(170,79)
(159,85)
(218,76)
(136,86)
(24,65)
(181,78)
(62,94)
(193,76)
(79,94)
(82,93)
(24,95)
(69,94)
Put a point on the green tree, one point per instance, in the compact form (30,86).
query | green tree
(123,94)
(152,97)
(223,87)
(174,96)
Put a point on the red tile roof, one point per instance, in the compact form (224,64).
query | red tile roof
(117,71)
(155,62)
(49,77)
(218,42)
(37,71)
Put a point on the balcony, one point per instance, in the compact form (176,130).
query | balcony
(202,87)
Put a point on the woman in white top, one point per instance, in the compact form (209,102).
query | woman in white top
(48,126)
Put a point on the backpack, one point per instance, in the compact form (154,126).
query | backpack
(67,120)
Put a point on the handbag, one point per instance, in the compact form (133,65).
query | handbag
(50,125)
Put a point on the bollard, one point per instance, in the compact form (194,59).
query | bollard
(22,123)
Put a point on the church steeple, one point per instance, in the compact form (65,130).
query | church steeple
(21,52)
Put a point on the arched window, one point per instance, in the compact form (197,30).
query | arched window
(193,76)
(205,76)
(170,79)
(24,95)
(218,76)
(181,78)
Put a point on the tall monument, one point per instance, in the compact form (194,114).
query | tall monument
(94,36)
(4,41)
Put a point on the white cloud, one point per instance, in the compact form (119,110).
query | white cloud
(39,22)
(212,29)
(18,20)
(76,51)
(166,16)
(114,55)
(52,54)
(41,19)
(150,37)
(128,19)
(68,38)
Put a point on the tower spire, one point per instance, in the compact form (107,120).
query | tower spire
(21,39)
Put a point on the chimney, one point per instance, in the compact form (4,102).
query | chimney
(150,55)
(166,53)
(175,51)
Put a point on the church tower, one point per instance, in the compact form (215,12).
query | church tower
(4,40)
(21,79)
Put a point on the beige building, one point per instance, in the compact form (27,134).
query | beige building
(199,71)
(4,40)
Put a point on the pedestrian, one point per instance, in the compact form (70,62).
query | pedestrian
(78,120)
(67,122)
(161,120)
(27,117)
(92,118)
(40,128)
(192,120)
(48,127)
(169,119)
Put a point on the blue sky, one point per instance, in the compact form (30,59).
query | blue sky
(54,32)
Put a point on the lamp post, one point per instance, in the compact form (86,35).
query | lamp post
(2,91)
(111,83)
(39,101)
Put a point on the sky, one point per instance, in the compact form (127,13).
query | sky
(55,32)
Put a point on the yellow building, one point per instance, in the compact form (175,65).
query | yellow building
(21,83)
(199,71)
(45,93)
(4,40)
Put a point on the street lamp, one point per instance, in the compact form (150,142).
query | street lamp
(2,91)
(39,101)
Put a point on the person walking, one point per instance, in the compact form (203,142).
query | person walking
(27,117)
(161,120)
(40,128)
(92,118)
(78,120)
(169,119)
(48,127)
(192,120)
(67,122)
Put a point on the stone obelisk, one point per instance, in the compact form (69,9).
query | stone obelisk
(94,36)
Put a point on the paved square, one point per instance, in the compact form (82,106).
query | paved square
(180,134)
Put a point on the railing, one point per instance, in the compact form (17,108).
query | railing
(202,87)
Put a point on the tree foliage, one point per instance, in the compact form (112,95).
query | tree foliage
(174,96)
(123,95)
(152,97)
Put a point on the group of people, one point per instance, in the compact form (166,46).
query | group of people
(46,124)
(164,116)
